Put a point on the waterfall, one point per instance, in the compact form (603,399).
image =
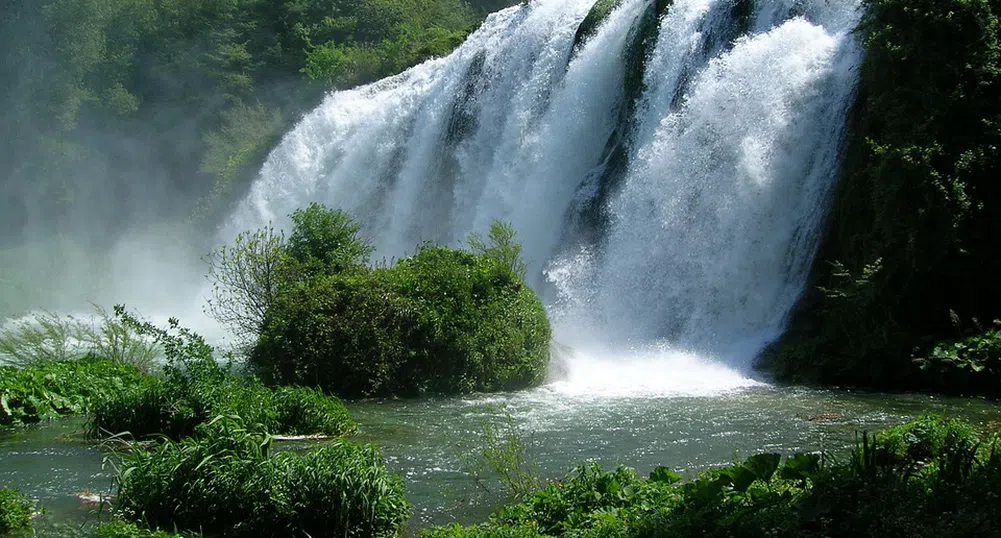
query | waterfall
(708,219)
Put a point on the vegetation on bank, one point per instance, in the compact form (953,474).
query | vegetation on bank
(441,321)
(910,258)
(930,477)
(190,388)
(227,480)
(49,390)
(195,388)
(15,511)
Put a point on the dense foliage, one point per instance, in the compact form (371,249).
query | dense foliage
(248,275)
(911,255)
(51,389)
(143,107)
(930,478)
(226,480)
(15,511)
(440,321)
(195,389)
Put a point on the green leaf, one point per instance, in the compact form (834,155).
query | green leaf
(763,465)
(742,477)
(800,466)
(665,475)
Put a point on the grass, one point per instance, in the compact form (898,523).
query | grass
(47,337)
(227,480)
(174,409)
(125,529)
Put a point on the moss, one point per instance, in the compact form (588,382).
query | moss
(597,15)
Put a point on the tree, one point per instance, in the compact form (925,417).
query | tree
(326,241)
(246,277)
(500,246)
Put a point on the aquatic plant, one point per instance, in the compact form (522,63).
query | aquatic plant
(227,479)
(56,388)
(504,454)
(929,478)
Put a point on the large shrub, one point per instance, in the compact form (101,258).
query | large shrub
(441,321)
(227,480)
(195,388)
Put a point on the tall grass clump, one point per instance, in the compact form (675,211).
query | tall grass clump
(227,480)
(47,337)
(931,478)
(15,511)
(195,388)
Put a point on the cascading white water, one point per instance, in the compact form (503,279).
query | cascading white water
(732,151)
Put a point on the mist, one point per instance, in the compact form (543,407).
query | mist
(132,127)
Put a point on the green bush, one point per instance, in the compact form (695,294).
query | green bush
(15,511)
(51,389)
(196,389)
(172,408)
(326,241)
(481,531)
(929,478)
(971,364)
(441,321)
(227,480)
